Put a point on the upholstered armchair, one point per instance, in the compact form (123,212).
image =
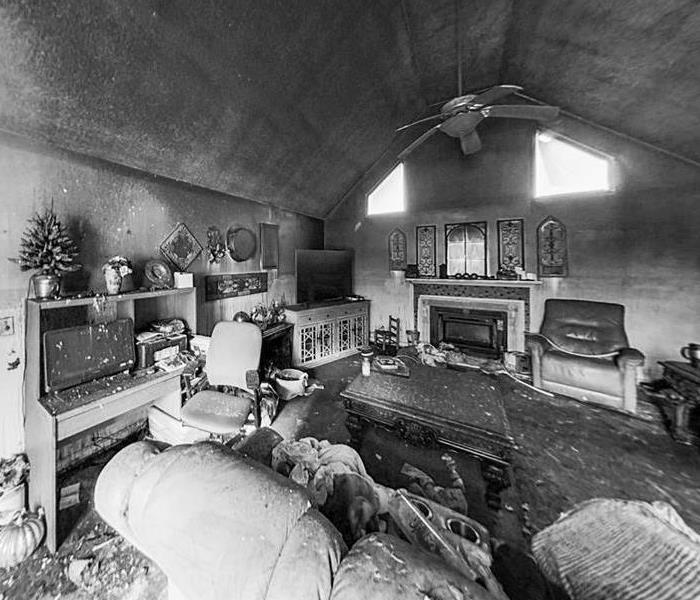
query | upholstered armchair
(582,351)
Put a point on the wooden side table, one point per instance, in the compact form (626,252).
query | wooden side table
(684,381)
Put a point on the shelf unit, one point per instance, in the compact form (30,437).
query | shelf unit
(327,332)
(45,431)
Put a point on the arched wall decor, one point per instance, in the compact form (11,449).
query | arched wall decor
(397,250)
(552,251)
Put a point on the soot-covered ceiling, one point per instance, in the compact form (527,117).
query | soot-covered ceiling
(291,101)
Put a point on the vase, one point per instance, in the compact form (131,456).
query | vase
(113,280)
(11,501)
(45,286)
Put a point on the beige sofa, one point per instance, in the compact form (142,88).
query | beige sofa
(224,527)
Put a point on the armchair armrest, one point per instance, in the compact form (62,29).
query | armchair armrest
(188,377)
(252,381)
(537,343)
(630,357)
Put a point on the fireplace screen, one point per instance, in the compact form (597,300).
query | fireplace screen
(480,332)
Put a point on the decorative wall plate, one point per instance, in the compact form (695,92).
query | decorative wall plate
(425,250)
(552,252)
(158,274)
(241,243)
(181,247)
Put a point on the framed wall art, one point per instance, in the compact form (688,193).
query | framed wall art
(181,247)
(231,285)
(511,244)
(426,250)
(397,250)
(552,251)
(465,249)
(269,246)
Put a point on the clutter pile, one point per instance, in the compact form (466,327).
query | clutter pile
(338,483)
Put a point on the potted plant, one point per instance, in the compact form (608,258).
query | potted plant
(47,248)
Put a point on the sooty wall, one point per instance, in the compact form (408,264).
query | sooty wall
(638,246)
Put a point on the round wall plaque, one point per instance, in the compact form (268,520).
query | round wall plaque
(241,243)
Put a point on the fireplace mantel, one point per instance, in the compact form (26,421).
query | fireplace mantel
(479,282)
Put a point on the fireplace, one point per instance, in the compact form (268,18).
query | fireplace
(506,314)
(481,332)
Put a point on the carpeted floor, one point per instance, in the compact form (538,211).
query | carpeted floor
(567,452)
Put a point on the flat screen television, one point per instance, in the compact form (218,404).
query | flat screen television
(323,274)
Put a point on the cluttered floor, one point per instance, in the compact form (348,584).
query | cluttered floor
(567,452)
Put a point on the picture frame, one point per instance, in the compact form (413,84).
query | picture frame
(180,247)
(269,246)
(426,251)
(511,244)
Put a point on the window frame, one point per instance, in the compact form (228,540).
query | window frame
(613,167)
(382,179)
(483,227)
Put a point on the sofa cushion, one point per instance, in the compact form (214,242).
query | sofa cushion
(214,521)
(308,561)
(383,567)
(595,374)
(585,327)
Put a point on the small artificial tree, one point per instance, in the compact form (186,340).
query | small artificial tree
(46,246)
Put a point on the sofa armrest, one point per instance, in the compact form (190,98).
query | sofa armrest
(630,357)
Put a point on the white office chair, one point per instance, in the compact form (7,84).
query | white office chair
(232,360)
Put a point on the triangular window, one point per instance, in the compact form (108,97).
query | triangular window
(563,166)
(388,195)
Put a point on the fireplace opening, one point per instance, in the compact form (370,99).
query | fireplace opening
(480,332)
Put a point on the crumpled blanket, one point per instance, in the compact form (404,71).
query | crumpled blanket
(607,549)
(314,464)
(337,481)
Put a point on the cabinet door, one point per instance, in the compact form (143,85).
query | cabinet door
(316,341)
(351,332)
(346,334)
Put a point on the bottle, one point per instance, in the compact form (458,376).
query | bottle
(366,354)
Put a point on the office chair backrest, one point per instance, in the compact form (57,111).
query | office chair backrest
(234,349)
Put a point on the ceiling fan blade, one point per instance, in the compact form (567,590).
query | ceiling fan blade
(470,143)
(494,94)
(521,111)
(461,123)
(431,118)
(418,141)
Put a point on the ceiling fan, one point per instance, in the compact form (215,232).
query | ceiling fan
(462,114)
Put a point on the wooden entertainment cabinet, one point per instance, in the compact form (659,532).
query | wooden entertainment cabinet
(51,422)
(326,331)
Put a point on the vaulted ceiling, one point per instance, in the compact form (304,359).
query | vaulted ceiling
(291,101)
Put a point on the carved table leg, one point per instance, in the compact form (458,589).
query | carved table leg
(357,427)
(497,480)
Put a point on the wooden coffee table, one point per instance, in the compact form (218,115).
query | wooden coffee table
(458,409)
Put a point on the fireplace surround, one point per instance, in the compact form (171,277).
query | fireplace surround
(514,311)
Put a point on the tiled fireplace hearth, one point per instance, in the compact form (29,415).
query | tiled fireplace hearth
(510,297)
